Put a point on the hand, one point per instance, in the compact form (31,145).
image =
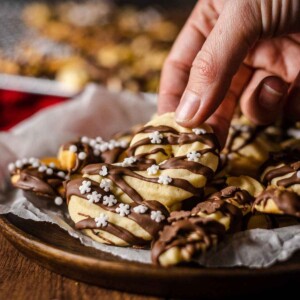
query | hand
(230,50)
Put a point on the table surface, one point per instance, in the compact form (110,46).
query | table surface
(21,278)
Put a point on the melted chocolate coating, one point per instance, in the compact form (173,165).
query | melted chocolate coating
(39,183)
(287,201)
(281,171)
(178,235)
(144,220)
(125,235)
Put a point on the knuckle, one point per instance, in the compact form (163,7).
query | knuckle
(204,69)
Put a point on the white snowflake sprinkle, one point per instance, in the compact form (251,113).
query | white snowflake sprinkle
(96,152)
(32,160)
(85,187)
(153,170)
(298,174)
(73,148)
(92,143)
(99,139)
(61,174)
(193,156)
(24,161)
(85,140)
(164,179)
(128,161)
(103,147)
(123,209)
(155,137)
(112,144)
(140,209)
(199,131)
(157,216)
(102,220)
(49,171)
(105,184)
(94,197)
(35,164)
(109,200)
(104,171)
(11,167)
(123,144)
(58,201)
(82,155)
(52,165)
(42,168)
(19,164)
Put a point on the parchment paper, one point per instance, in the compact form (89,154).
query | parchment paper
(97,112)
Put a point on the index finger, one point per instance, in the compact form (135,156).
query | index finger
(177,66)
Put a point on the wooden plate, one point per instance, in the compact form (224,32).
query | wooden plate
(53,248)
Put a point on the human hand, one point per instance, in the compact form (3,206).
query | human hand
(230,50)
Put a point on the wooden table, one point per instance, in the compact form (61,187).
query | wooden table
(23,279)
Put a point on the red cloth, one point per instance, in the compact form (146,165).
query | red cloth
(17,106)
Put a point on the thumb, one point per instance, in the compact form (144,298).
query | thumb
(236,30)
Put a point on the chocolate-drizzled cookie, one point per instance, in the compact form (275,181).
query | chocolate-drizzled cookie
(247,147)
(73,156)
(282,174)
(225,208)
(39,179)
(98,211)
(185,239)
(278,201)
(165,166)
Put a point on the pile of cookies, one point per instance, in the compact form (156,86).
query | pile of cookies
(170,188)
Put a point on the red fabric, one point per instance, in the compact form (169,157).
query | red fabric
(17,106)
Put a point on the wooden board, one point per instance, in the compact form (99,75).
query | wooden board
(53,248)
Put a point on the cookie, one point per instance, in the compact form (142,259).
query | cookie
(40,179)
(246,149)
(186,239)
(97,210)
(73,156)
(278,201)
(166,166)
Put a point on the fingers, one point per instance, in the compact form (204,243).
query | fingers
(177,66)
(215,65)
(220,120)
(279,56)
(264,98)
(293,101)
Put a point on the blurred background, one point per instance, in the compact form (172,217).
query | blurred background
(121,44)
(51,49)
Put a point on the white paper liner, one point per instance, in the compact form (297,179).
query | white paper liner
(98,112)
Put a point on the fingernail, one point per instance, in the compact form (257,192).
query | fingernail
(188,107)
(269,97)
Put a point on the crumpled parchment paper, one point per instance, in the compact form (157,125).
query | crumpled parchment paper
(97,112)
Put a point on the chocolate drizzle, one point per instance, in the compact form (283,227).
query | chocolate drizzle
(117,173)
(109,156)
(288,202)
(282,171)
(81,147)
(144,220)
(191,235)
(173,137)
(214,205)
(122,233)
(232,192)
(30,179)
